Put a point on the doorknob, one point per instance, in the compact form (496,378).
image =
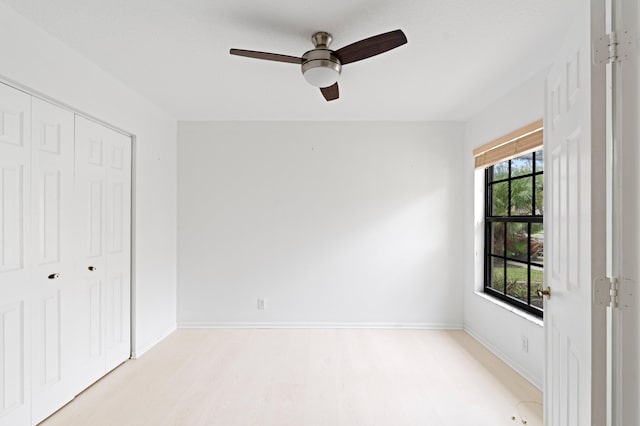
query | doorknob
(545,292)
(53,276)
(92,268)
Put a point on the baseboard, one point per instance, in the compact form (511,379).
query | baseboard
(393,326)
(506,359)
(138,351)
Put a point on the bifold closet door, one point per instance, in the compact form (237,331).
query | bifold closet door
(15,269)
(55,299)
(103,206)
(118,254)
(65,260)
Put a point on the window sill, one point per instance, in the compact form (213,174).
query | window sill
(525,315)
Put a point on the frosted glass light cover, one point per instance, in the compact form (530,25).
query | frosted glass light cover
(321,76)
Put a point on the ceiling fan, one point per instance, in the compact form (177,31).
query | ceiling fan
(322,66)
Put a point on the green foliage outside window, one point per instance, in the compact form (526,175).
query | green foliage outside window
(515,231)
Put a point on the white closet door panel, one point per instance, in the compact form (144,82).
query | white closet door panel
(54,299)
(118,217)
(95,231)
(13,192)
(15,117)
(14,368)
(15,261)
(90,262)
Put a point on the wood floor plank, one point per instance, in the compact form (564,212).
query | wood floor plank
(311,377)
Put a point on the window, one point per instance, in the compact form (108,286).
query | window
(514,231)
(513,196)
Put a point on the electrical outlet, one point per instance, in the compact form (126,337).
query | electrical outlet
(525,344)
(261,304)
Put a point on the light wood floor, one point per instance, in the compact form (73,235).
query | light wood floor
(309,377)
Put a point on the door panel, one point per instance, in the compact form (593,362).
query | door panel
(16,287)
(52,221)
(103,184)
(95,320)
(52,352)
(118,249)
(96,224)
(13,391)
(116,216)
(90,264)
(51,202)
(12,183)
(14,115)
(114,310)
(574,142)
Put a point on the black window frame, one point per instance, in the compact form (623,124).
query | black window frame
(527,219)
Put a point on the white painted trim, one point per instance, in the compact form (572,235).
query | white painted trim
(138,352)
(513,309)
(524,372)
(319,325)
(133,300)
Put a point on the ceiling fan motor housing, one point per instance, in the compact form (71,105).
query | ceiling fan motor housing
(320,67)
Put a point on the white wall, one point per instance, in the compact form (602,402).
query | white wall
(36,60)
(497,327)
(332,223)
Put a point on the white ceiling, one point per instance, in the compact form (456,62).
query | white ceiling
(461,54)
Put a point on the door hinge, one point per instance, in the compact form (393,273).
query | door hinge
(612,47)
(614,293)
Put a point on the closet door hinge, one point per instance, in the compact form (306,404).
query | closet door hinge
(613,292)
(612,47)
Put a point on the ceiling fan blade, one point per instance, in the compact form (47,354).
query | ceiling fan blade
(267,56)
(330,93)
(371,46)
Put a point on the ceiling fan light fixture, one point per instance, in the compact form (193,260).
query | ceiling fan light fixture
(322,75)
(320,67)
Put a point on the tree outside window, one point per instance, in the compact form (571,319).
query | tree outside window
(514,231)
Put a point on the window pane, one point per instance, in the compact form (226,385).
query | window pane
(500,171)
(537,283)
(539,161)
(499,198)
(522,165)
(537,243)
(497,238)
(517,240)
(497,274)
(539,194)
(521,197)
(514,257)
(517,281)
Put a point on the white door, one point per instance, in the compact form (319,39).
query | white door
(575,364)
(103,206)
(15,274)
(90,261)
(54,302)
(118,266)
